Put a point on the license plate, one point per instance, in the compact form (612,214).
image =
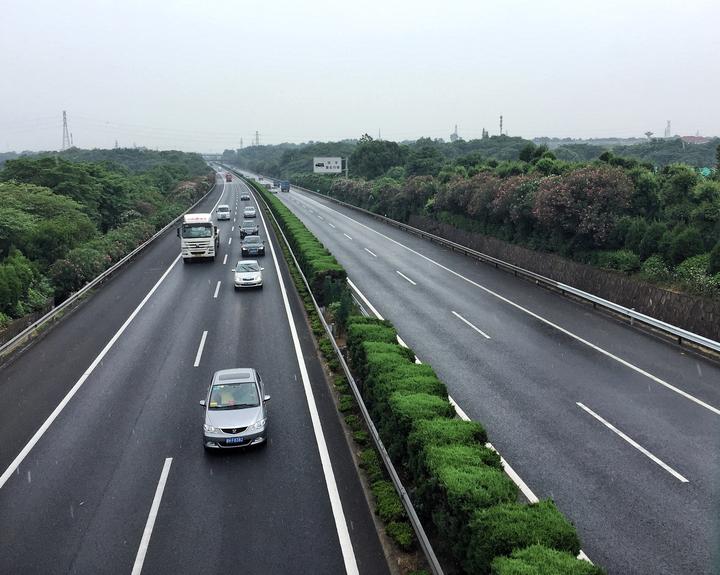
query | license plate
(235,440)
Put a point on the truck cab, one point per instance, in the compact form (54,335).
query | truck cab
(228,177)
(199,237)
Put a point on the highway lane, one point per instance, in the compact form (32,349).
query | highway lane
(81,499)
(526,383)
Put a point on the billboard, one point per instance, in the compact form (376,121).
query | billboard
(327,165)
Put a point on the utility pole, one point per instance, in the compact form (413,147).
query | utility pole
(501,125)
(65,133)
(72,144)
(257,138)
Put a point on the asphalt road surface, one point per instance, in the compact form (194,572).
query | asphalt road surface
(119,481)
(621,429)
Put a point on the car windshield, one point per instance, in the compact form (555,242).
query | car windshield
(223,209)
(249,210)
(247,267)
(234,396)
(197,230)
(252,239)
(248,224)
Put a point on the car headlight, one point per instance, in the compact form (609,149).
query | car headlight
(258,425)
(210,428)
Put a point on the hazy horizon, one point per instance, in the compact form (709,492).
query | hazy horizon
(197,77)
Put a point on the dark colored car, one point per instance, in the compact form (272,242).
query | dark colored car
(245,197)
(249,228)
(252,246)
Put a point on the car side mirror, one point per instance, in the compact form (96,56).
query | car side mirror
(266,398)
(202,402)
(261,269)
(233,269)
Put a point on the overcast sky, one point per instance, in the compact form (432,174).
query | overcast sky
(201,75)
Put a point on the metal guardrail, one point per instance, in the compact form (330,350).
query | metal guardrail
(679,334)
(28,333)
(402,492)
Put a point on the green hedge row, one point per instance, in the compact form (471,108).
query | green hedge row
(458,483)
(326,277)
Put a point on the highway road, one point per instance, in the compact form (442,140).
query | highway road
(621,429)
(101,452)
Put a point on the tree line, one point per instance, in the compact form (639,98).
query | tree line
(66,217)
(660,223)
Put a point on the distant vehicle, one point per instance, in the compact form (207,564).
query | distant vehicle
(252,246)
(223,212)
(235,410)
(244,197)
(249,228)
(228,177)
(284,186)
(199,237)
(249,212)
(248,273)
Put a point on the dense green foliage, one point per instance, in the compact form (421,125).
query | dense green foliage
(325,276)
(458,483)
(540,560)
(66,220)
(615,209)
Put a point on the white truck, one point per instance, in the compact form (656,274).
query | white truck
(199,237)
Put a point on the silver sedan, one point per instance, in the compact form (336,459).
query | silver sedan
(235,411)
(248,273)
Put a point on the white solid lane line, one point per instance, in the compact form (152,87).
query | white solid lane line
(347,236)
(477,329)
(404,276)
(371,253)
(331,225)
(200,349)
(145,541)
(225,259)
(48,422)
(636,445)
(341,526)
(597,348)
(217,289)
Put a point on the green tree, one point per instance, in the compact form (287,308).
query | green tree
(372,158)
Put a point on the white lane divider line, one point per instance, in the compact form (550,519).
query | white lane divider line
(477,329)
(341,526)
(200,349)
(232,229)
(145,541)
(576,337)
(48,422)
(371,253)
(636,445)
(402,275)
(319,216)
(225,259)
(331,225)
(347,236)
(217,289)
(229,241)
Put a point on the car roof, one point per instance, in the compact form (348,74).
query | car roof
(221,206)
(247,262)
(251,238)
(235,375)
(249,223)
